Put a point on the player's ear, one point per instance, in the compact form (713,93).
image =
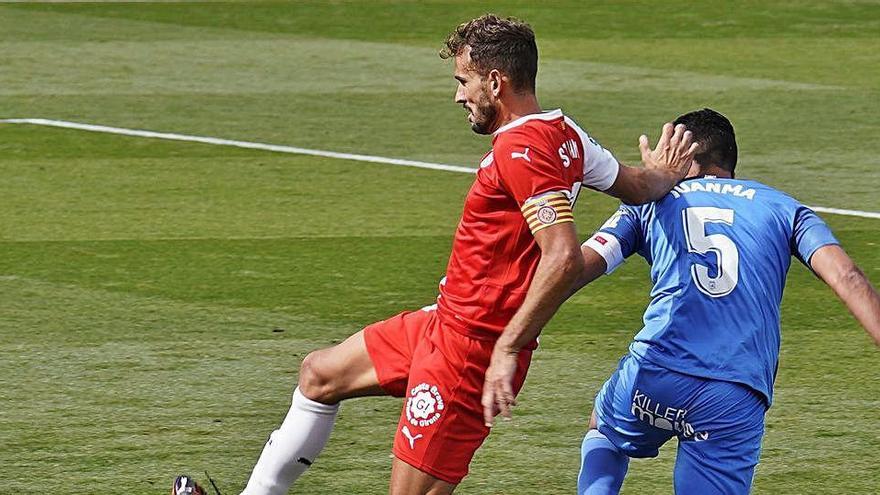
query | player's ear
(495,79)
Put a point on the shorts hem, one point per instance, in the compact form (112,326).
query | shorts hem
(634,452)
(428,469)
(384,383)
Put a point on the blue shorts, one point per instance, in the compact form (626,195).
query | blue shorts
(719,424)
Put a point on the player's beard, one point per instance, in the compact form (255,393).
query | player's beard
(484,116)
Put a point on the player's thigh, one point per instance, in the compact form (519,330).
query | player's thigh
(717,469)
(339,372)
(374,361)
(407,480)
(721,456)
(621,414)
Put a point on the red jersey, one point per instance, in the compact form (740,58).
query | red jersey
(528,181)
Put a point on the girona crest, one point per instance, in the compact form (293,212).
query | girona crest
(424,405)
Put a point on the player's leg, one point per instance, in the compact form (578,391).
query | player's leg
(603,465)
(407,480)
(620,427)
(326,377)
(722,444)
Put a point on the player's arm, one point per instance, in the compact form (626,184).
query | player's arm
(618,238)
(594,267)
(837,269)
(560,265)
(664,166)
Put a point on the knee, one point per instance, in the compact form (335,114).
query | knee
(316,379)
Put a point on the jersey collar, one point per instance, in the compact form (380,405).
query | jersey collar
(706,176)
(551,115)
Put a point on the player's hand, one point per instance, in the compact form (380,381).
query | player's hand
(674,152)
(498,393)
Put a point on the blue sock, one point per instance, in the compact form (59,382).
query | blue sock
(602,466)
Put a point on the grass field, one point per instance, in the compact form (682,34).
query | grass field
(156,297)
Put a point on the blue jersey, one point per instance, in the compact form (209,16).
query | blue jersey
(719,251)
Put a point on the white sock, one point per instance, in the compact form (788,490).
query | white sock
(293,447)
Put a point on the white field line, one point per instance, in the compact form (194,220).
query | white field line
(840,211)
(305,151)
(240,144)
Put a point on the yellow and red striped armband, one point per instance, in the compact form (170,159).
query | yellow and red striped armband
(547,209)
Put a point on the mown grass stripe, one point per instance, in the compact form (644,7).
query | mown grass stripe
(312,152)
(240,144)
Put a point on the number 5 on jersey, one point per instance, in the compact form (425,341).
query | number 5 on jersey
(725,251)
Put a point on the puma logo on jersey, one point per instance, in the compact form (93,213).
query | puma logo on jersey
(524,155)
(412,439)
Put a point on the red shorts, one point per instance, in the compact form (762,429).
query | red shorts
(440,372)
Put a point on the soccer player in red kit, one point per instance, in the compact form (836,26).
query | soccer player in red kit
(514,257)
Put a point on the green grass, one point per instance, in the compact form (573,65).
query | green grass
(156,297)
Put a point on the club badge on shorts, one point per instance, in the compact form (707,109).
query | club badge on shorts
(424,405)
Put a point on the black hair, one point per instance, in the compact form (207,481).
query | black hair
(715,136)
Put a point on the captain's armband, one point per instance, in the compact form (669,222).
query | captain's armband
(547,209)
(608,248)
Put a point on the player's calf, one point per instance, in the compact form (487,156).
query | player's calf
(603,466)
(326,377)
(293,447)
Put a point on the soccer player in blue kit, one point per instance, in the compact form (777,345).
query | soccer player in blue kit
(702,368)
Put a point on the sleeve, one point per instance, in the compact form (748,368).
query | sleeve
(810,233)
(618,238)
(534,179)
(600,166)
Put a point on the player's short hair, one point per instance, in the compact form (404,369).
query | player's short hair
(506,44)
(715,136)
